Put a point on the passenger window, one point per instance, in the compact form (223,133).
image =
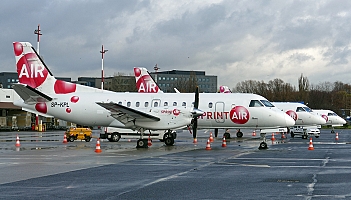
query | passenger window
(155,104)
(120,103)
(137,104)
(184,104)
(165,104)
(210,105)
(128,104)
(174,103)
(255,103)
(146,104)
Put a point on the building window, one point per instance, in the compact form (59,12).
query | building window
(8,80)
(171,78)
(163,78)
(159,78)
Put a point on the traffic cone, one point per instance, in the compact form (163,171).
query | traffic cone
(97,148)
(273,138)
(254,133)
(195,141)
(283,135)
(211,137)
(149,141)
(17,142)
(64,138)
(336,136)
(224,143)
(310,147)
(208,145)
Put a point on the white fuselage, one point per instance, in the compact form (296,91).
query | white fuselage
(304,115)
(331,117)
(220,110)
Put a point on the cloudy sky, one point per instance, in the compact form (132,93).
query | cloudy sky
(234,40)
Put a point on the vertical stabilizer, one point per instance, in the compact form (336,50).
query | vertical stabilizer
(144,82)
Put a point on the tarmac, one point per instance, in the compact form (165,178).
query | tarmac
(44,167)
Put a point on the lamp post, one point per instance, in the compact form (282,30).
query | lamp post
(37,32)
(103,51)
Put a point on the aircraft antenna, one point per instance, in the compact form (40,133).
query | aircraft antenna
(103,51)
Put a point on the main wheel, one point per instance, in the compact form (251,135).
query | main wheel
(71,139)
(226,135)
(169,141)
(239,134)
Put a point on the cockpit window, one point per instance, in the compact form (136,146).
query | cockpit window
(255,103)
(307,109)
(300,109)
(267,103)
(332,114)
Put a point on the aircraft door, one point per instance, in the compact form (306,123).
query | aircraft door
(219,112)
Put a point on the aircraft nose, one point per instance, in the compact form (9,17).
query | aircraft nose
(289,120)
(320,119)
(342,121)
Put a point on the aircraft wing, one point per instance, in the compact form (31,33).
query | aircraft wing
(125,114)
(29,94)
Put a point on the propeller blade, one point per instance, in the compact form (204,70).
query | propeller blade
(196,111)
(195,128)
(196,103)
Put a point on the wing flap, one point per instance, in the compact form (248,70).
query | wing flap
(125,114)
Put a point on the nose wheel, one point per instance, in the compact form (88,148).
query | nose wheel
(263,144)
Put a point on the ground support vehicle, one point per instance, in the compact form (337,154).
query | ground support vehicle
(78,134)
(305,131)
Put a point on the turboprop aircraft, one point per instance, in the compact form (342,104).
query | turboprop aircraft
(146,84)
(331,118)
(42,92)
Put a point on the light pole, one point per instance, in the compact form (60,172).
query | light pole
(103,51)
(37,32)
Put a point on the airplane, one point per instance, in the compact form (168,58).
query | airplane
(42,92)
(146,84)
(331,118)
(306,121)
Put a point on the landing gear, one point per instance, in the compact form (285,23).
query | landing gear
(169,137)
(142,143)
(239,134)
(263,144)
(216,132)
(332,131)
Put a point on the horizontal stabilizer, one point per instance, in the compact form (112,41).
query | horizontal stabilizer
(125,114)
(29,94)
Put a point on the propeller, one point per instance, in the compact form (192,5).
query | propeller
(196,109)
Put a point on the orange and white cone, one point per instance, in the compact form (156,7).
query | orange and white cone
(283,135)
(224,143)
(254,133)
(195,141)
(17,142)
(97,148)
(149,141)
(208,145)
(64,138)
(336,136)
(273,138)
(310,147)
(211,137)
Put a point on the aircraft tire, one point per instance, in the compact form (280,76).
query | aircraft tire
(87,139)
(226,135)
(292,134)
(142,143)
(317,136)
(239,134)
(71,139)
(263,145)
(169,141)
